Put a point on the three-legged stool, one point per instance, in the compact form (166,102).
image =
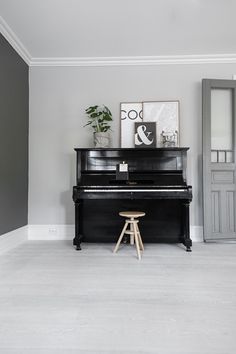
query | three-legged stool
(133,230)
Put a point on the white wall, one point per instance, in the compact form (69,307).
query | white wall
(58,98)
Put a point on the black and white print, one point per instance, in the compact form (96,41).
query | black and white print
(145,135)
(130,112)
(166,116)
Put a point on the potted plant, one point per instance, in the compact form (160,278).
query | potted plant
(100,117)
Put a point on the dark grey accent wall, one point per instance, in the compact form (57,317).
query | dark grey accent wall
(14,123)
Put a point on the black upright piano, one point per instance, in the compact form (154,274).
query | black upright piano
(155,183)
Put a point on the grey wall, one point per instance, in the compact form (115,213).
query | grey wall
(58,97)
(14,97)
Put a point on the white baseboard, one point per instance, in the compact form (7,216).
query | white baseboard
(51,232)
(58,232)
(196,233)
(13,238)
(66,232)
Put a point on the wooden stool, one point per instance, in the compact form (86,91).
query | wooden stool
(133,231)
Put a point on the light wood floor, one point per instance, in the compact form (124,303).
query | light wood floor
(56,300)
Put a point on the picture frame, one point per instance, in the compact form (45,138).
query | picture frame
(166,116)
(145,134)
(130,112)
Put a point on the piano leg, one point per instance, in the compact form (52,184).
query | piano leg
(78,225)
(186,227)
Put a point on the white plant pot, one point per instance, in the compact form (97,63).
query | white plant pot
(101,140)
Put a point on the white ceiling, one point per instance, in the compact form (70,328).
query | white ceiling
(121,28)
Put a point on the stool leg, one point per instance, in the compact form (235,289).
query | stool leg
(132,235)
(136,241)
(140,239)
(120,238)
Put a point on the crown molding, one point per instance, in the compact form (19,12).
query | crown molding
(10,36)
(136,60)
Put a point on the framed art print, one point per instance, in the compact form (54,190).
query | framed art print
(166,116)
(130,112)
(145,135)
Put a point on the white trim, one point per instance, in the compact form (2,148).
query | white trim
(142,60)
(51,232)
(14,41)
(13,238)
(59,232)
(12,38)
(196,233)
(66,232)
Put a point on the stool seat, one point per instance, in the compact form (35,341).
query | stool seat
(132,214)
(133,231)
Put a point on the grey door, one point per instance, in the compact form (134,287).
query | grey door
(219,122)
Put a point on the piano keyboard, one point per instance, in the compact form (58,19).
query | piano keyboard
(133,190)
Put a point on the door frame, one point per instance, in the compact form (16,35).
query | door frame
(207,86)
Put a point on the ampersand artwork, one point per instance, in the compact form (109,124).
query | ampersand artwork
(145,134)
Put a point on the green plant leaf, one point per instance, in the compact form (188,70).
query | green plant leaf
(90,110)
(99,118)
